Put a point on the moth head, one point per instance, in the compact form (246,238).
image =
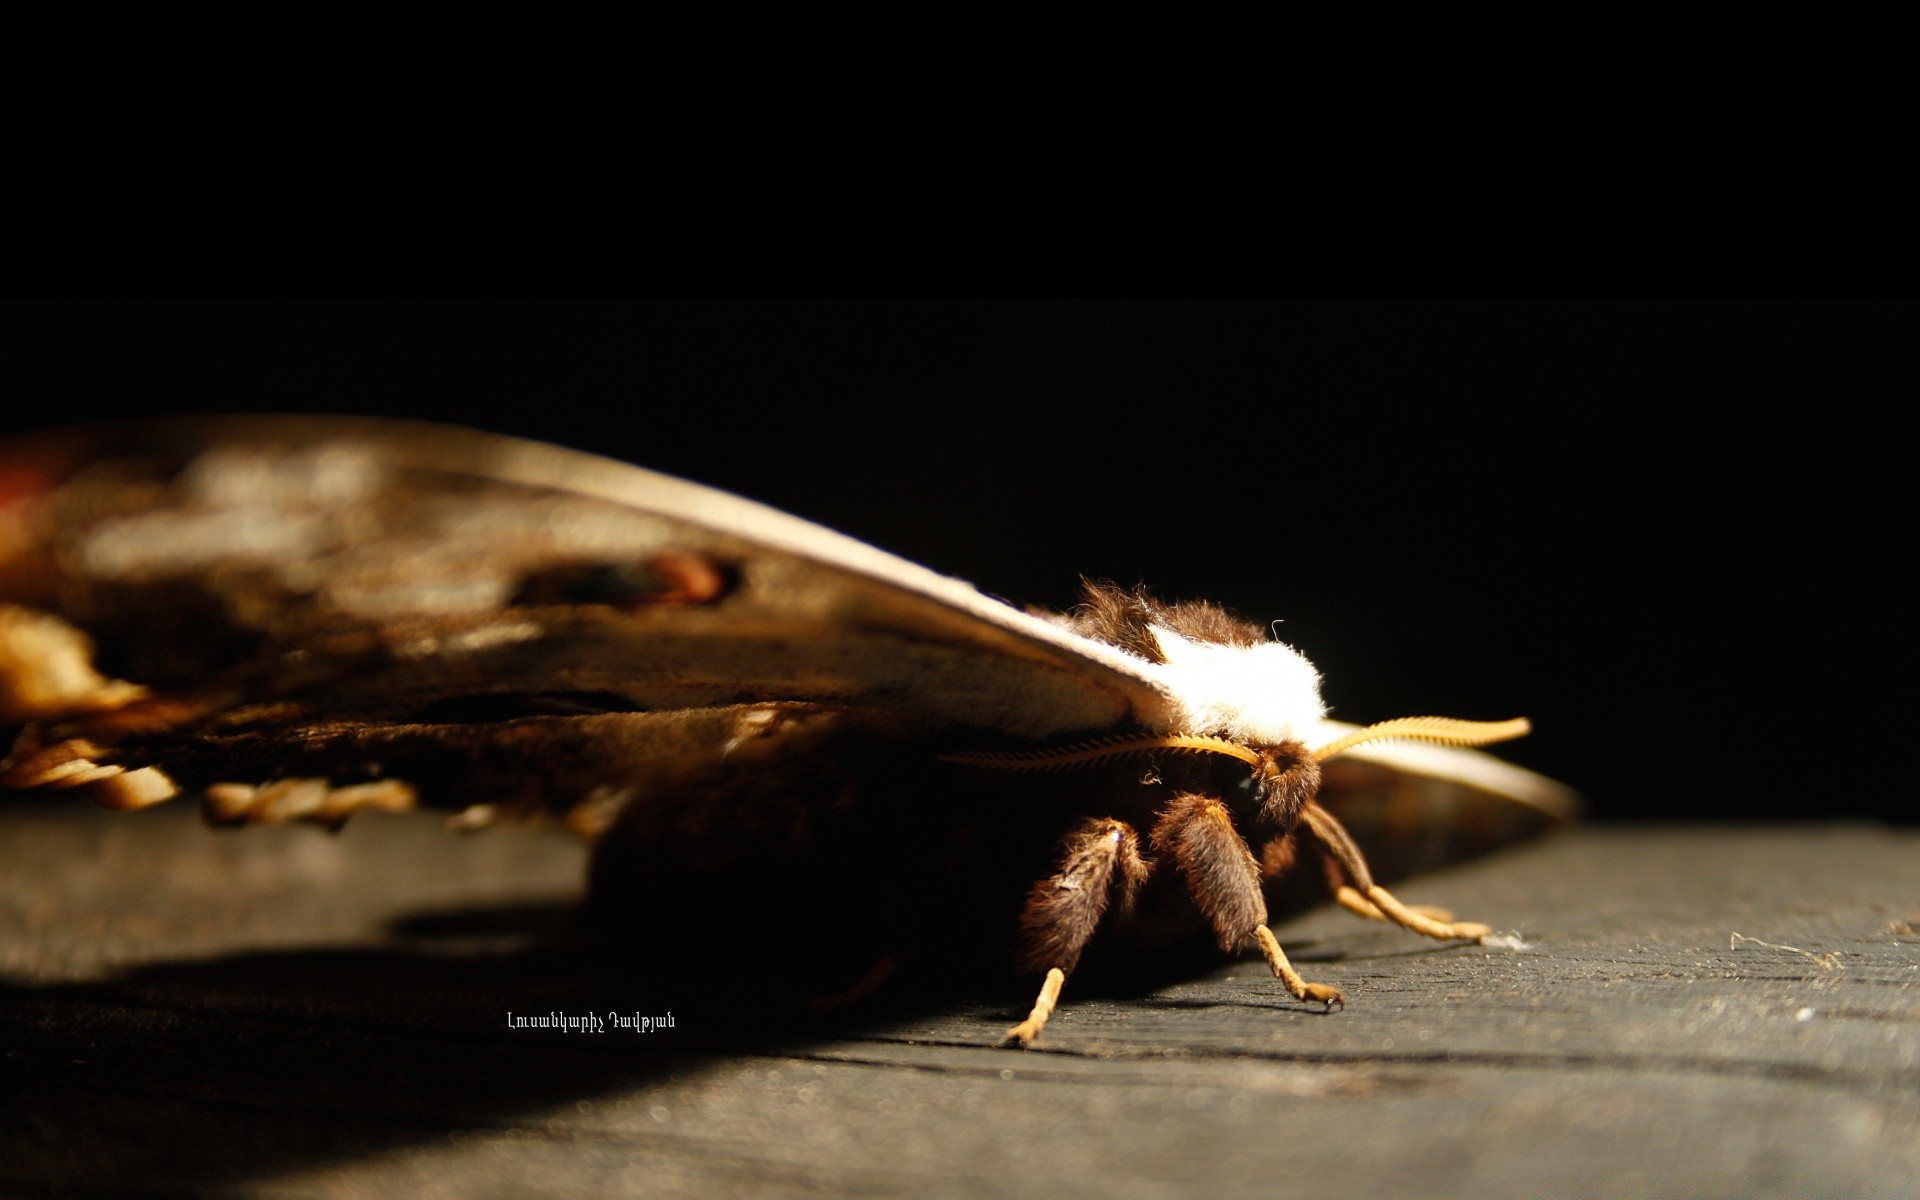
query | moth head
(1268,789)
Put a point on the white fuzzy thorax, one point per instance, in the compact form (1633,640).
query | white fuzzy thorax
(1264,694)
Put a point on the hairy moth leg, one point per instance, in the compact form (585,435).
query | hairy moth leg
(1097,859)
(1363,896)
(1224,880)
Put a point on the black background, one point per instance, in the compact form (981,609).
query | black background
(1672,533)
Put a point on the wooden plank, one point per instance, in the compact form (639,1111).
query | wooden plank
(286,1013)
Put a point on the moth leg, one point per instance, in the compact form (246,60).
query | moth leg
(1224,880)
(1100,858)
(1347,897)
(1340,886)
(1369,899)
(1276,858)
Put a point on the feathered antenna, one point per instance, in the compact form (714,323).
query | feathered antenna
(1448,731)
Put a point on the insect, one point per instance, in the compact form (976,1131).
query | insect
(801,758)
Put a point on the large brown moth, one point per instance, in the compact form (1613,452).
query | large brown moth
(782,737)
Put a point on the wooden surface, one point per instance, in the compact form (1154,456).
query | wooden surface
(286,1013)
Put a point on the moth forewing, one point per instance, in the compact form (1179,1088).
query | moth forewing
(297,617)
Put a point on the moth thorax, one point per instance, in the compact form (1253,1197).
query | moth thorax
(1261,694)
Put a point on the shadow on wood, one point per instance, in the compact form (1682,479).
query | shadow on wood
(288,1013)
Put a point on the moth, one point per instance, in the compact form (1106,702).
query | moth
(802,759)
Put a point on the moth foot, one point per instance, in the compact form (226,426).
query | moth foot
(1022,1035)
(1324,993)
(312,800)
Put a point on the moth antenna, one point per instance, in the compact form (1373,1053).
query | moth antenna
(1100,750)
(1448,731)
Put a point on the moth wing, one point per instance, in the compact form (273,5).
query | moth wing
(486,619)
(262,597)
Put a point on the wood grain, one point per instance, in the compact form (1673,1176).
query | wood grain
(284,1012)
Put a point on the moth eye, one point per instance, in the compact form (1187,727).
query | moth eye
(675,577)
(1246,795)
(1241,787)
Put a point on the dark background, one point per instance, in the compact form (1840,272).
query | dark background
(1669,532)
